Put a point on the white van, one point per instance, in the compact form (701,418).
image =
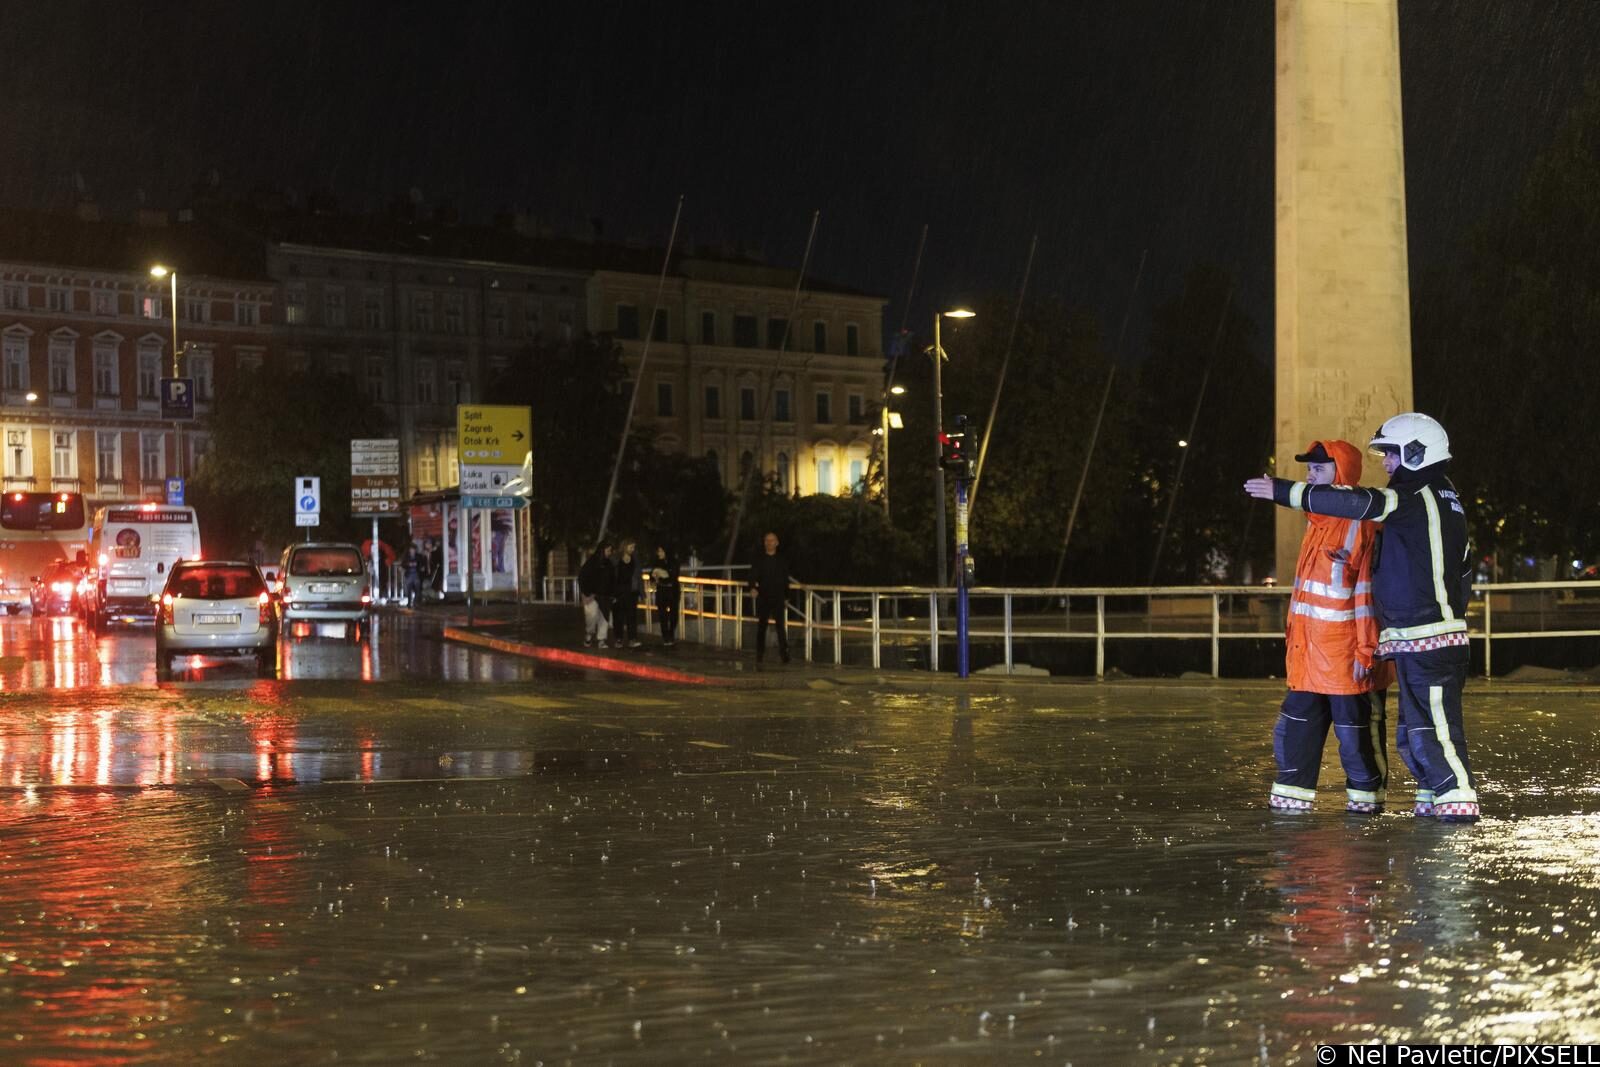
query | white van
(132,547)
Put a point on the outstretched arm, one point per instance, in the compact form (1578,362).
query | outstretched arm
(1342,501)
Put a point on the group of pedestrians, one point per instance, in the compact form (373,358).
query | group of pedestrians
(611,583)
(1379,600)
(422,567)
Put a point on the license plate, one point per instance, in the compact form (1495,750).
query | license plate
(216,620)
(324,587)
(127,583)
(330,629)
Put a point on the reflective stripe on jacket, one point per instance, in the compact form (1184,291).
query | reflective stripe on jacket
(1332,624)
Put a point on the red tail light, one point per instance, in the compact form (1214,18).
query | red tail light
(366,595)
(164,615)
(264,608)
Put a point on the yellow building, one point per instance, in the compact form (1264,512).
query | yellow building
(738,372)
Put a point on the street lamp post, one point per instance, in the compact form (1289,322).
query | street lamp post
(159,271)
(888,420)
(943,574)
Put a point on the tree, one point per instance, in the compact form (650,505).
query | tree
(1054,382)
(267,429)
(574,389)
(830,538)
(1504,355)
(1202,358)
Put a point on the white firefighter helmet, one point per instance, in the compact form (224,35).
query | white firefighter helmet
(1419,439)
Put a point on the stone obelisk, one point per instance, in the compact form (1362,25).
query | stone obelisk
(1343,296)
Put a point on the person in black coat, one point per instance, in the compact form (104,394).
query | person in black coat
(596,580)
(665,572)
(628,589)
(769,576)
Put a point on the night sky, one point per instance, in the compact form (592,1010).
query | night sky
(1106,126)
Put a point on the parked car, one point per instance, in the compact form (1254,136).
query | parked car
(216,608)
(58,590)
(325,584)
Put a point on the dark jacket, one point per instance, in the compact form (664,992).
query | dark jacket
(770,577)
(1421,578)
(626,576)
(596,577)
(670,565)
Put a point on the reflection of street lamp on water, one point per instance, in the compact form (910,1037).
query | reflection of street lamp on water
(938,430)
(160,271)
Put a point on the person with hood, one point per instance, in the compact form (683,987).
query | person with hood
(1331,638)
(1420,582)
(665,574)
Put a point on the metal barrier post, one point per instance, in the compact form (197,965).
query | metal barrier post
(838,632)
(1488,634)
(1100,636)
(877,653)
(1216,639)
(807,616)
(933,631)
(738,618)
(718,590)
(1009,657)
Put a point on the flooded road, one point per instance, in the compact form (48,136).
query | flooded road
(518,868)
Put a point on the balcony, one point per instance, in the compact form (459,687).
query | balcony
(66,485)
(63,398)
(110,489)
(23,483)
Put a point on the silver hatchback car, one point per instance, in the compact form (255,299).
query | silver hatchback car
(216,608)
(325,584)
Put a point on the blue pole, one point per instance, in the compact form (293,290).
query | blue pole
(962,668)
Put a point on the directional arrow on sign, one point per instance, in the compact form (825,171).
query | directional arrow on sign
(516,435)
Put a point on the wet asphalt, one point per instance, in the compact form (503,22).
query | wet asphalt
(407,850)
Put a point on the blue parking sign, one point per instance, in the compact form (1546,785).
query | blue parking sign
(175,492)
(177,398)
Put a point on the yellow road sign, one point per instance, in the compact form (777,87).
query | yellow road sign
(492,444)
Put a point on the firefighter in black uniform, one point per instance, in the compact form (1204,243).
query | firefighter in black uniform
(1420,584)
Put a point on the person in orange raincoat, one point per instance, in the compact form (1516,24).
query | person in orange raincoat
(1332,635)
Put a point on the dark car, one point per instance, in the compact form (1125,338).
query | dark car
(56,591)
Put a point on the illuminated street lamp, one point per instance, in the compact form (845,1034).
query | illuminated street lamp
(32,397)
(161,271)
(938,432)
(888,420)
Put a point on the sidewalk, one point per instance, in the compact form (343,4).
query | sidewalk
(553,633)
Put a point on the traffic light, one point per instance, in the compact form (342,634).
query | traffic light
(953,454)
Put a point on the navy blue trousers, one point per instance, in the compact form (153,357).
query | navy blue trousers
(1302,729)
(1430,735)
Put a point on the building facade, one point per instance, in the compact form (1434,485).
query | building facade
(422,316)
(739,372)
(86,334)
(420,334)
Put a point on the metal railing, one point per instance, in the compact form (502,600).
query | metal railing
(914,626)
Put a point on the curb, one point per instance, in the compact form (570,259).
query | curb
(571,658)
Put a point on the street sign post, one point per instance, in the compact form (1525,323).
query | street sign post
(493,442)
(375,477)
(494,445)
(307,501)
(177,398)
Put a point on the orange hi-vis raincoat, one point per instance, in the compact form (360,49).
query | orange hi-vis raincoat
(1332,624)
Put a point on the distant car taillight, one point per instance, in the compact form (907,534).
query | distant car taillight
(164,615)
(366,595)
(264,608)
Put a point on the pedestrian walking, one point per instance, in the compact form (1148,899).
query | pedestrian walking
(769,576)
(665,573)
(629,590)
(594,588)
(411,571)
(1331,640)
(1420,583)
